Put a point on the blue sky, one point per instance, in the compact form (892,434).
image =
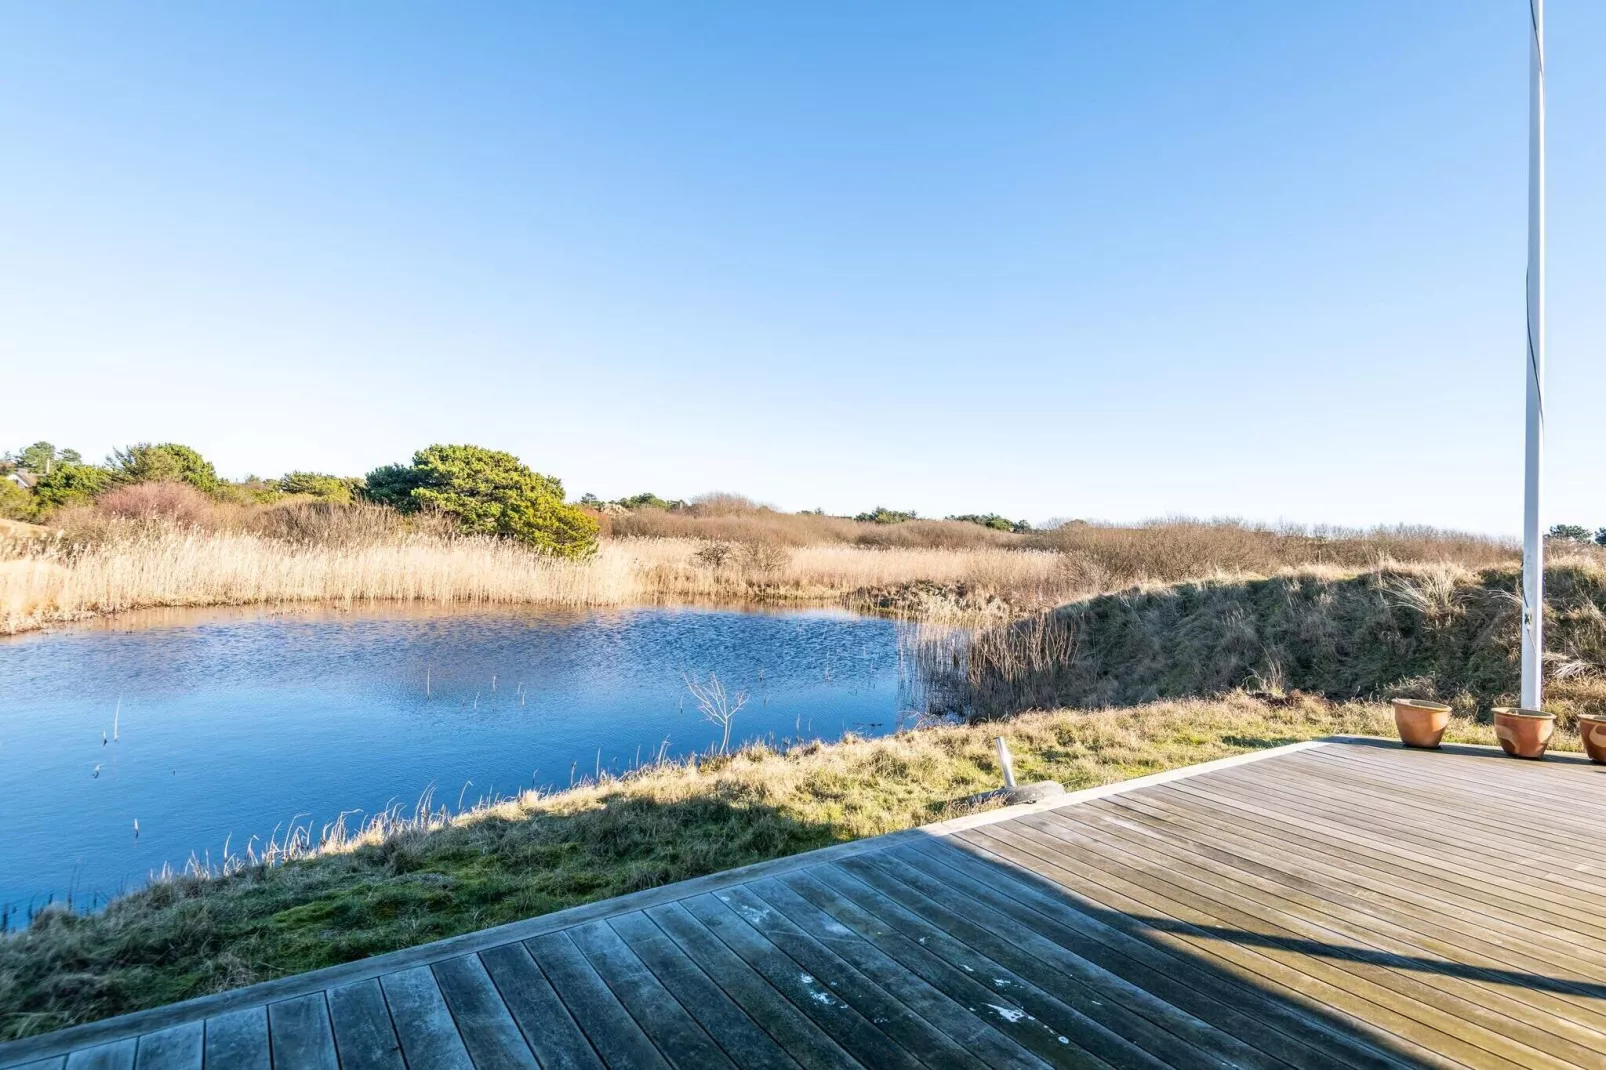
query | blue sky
(1048,259)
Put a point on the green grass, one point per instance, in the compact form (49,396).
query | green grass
(190,936)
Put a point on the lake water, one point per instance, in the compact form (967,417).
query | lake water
(231,723)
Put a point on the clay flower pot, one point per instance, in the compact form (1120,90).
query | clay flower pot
(1422,723)
(1592,728)
(1523,733)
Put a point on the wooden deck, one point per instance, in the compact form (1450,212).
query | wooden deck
(1339,904)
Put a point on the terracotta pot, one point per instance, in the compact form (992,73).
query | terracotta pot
(1523,733)
(1422,723)
(1593,730)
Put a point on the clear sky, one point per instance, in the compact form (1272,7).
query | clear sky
(1112,260)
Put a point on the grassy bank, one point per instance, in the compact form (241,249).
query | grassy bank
(187,936)
(99,563)
(1439,630)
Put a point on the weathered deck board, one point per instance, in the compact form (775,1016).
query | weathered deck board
(1346,904)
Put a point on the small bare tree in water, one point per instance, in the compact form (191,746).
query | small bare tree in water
(717,705)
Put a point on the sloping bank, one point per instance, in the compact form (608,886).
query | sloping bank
(189,936)
(1434,631)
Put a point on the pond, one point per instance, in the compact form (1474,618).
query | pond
(136,742)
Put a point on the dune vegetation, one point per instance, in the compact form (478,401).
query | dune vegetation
(168,544)
(1438,630)
(440,874)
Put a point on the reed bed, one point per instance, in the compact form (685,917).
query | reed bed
(137,565)
(175,548)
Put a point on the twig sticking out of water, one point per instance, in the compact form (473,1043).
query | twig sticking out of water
(717,705)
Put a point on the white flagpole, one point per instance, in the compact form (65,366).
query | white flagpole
(1533,537)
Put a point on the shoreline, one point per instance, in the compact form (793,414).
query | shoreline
(536,854)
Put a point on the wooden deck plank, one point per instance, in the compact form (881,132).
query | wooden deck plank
(1551,1000)
(1378,879)
(1576,808)
(1166,1033)
(1026,1013)
(674,1031)
(545,1023)
(840,1020)
(1359,948)
(118,1055)
(952,1014)
(365,1037)
(1281,979)
(1491,772)
(1450,876)
(238,1039)
(1233,918)
(178,1047)
(424,1024)
(483,1020)
(1374,892)
(804,1040)
(1451,871)
(829,976)
(607,1025)
(1352,904)
(300,1034)
(746,1044)
(1277,1028)
(1437,821)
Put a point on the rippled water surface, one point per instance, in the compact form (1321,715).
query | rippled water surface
(232,723)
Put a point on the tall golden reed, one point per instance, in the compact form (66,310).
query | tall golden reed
(143,566)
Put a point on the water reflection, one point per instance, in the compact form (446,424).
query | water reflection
(230,724)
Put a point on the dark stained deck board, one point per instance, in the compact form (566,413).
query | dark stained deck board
(300,1035)
(178,1047)
(238,1039)
(486,1025)
(1350,904)
(117,1055)
(1273,1027)
(742,1040)
(365,1038)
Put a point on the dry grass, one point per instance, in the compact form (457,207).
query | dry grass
(724,521)
(134,565)
(412,882)
(1173,550)
(1433,630)
(167,546)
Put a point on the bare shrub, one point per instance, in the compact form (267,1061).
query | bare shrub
(717,705)
(715,554)
(723,503)
(179,503)
(765,558)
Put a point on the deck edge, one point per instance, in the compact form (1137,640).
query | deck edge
(16,1053)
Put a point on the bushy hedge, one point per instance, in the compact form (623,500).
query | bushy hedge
(487,492)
